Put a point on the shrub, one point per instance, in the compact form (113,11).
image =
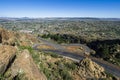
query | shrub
(30,49)
(54,55)
(47,72)
(110,75)
(2,77)
(71,66)
(65,75)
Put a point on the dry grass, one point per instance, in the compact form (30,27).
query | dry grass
(74,48)
(46,47)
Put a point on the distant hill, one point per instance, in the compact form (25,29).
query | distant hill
(60,18)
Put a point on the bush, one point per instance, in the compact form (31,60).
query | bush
(65,75)
(2,77)
(54,55)
(71,66)
(110,75)
(47,72)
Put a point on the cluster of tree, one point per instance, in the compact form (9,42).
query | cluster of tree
(108,50)
(65,38)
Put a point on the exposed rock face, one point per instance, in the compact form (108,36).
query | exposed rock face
(7,37)
(90,70)
(7,55)
(16,63)
(26,40)
(25,66)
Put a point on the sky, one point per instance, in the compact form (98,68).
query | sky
(60,8)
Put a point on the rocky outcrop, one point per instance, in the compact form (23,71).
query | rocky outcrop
(88,70)
(25,66)
(7,37)
(15,63)
(15,38)
(26,40)
(7,56)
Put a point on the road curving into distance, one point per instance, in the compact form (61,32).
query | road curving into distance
(59,49)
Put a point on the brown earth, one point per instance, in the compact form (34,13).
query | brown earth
(76,49)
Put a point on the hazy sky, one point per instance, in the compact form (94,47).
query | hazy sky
(60,8)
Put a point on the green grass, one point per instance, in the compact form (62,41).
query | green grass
(29,48)
(54,55)
(2,77)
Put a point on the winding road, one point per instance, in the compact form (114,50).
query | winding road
(59,49)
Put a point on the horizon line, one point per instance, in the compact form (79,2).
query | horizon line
(61,17)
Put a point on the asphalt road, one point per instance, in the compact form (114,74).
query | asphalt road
(59,49)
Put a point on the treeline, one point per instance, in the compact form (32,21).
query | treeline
(65,38)
(108,50)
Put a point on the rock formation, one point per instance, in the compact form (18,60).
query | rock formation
(7,55)
(16,38)
(25,66)
(16,63)
(89,70)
